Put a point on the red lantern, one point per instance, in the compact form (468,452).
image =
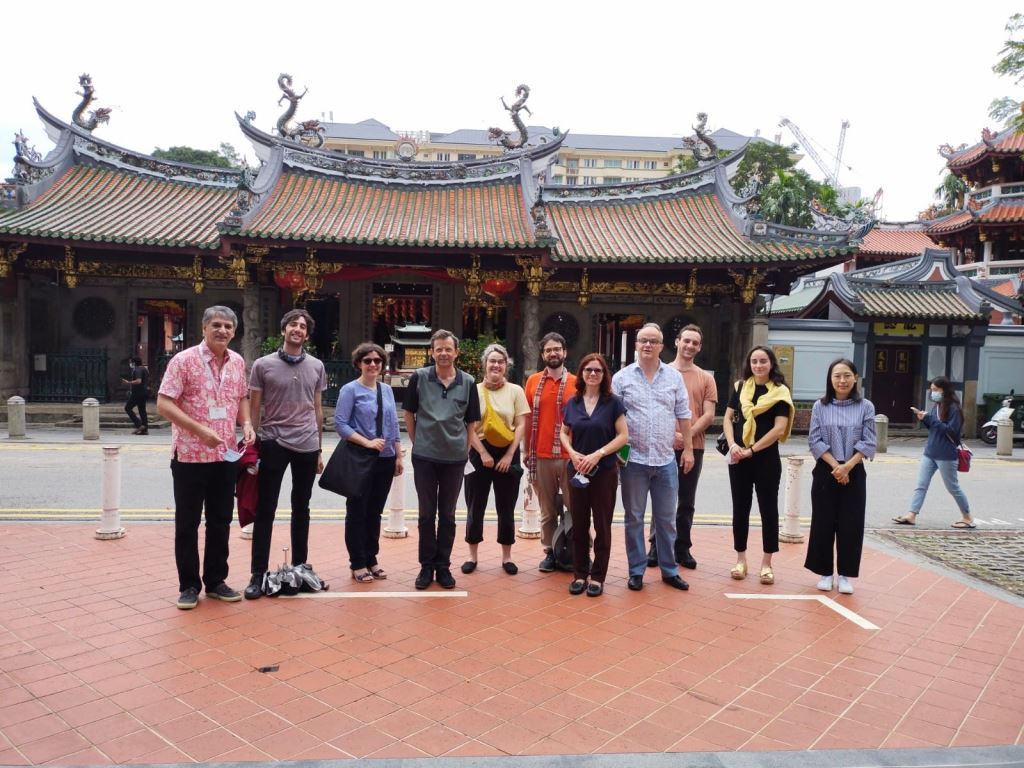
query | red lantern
(292,281)
(496,287)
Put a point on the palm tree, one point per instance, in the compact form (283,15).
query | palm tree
(951,192)
(786,200)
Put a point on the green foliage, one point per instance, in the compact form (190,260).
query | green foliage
(1010,64)
(760,163)
(469,354)
(687,163)
(225,157)
(950,194)
(786,199)
(274,343)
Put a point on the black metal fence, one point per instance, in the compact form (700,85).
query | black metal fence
(339,373)
(71,376)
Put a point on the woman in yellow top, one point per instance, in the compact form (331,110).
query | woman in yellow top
(759,417)
(494,454)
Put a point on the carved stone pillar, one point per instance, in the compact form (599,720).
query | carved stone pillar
(251,320)
(531,334)
(758,331)
(20,345)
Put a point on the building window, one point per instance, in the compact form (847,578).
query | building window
(356,153)
(632,164)
(612,163)
(650,165)
(444,157)
(612,179)
(558,179)
(380,154)
(572,181)
(466,156)
(591,180)
(589,162)
(572,164)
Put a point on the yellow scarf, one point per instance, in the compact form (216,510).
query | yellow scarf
(777,393)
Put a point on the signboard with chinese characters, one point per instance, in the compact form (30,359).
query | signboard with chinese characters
(898,329)
(786,356)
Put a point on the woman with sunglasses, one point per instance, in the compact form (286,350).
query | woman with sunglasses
(355,419)
(593,430)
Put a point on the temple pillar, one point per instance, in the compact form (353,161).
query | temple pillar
(251,321)
(987,251)
(531,334)
(20,346)
(759,331)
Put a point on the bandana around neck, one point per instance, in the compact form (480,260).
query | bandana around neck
(291,359)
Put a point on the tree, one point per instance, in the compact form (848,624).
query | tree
(950,193)
(760,163)
(1010,64)
(225,157)
(786,199)
(686,163)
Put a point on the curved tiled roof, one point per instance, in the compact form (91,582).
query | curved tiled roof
(687,229)
(338,210)
(113,206)
(896,242)
(914,301)
(1007,142)
(1006,211)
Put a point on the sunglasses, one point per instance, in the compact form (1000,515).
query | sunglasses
(593,370)
(372,360)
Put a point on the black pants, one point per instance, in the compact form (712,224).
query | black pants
(837,517)
(209,484)
(506,494)
(686,504)
(362,516)
(274,460)
(137,401)
(596,501)
(761,473)
(437,490)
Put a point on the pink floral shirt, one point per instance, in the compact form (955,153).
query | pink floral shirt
(200,387)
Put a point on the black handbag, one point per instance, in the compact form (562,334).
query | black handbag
(348,471)
(721,444)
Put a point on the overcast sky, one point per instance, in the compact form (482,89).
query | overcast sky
(907,75)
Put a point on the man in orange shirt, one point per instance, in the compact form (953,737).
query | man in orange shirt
(547,391)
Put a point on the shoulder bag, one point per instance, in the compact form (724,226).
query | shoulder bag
(348,471)
(721,444)
(963,455)
(493,426)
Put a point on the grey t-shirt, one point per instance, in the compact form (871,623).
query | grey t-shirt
(289,416)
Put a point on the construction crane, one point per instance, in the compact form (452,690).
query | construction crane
(831,174)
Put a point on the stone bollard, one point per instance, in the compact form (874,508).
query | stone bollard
(790,533)
(110,522)
(396,529)
(881,433)
(1004,437)
(530,529)
(90,419)
(16,418)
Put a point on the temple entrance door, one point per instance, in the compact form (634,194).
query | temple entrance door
(892,381)
(160,329)
(616,338)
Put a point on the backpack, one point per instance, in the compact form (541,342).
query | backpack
(561,541)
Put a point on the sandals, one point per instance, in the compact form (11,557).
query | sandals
(767,575)
(739,571)
(378,573)
(963,524)
(363,578)
(905,520)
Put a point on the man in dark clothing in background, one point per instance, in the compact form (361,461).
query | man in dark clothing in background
(138,380)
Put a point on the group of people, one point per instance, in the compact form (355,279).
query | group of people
(578,438)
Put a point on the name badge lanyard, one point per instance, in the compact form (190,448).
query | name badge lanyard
(218,411)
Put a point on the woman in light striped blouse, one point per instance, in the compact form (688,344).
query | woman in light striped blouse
(842,435)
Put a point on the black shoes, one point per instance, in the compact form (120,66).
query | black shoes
(469,566)
(594,589)
(425,578)
(445,578)
(510,568)
(652,554)
(675,581)
(547,565)
(140,431)
(687,560)
(223,592)
(188,599)
(577,587)
(255,588)
(635,583)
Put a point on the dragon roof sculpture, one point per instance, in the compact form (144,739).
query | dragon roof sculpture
(308,132)
(504,137)
(88,94)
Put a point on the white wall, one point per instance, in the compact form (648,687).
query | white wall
(1001,366)
(813,351)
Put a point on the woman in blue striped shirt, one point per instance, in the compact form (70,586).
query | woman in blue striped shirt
(841,436)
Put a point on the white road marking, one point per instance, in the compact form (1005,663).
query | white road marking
(354,595)
(828,602)
(997,521)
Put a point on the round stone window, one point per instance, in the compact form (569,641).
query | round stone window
(93,317)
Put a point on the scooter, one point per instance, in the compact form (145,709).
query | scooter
(1014,411)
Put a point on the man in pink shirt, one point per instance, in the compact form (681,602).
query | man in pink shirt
(204,395)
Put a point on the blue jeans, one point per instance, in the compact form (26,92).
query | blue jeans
(663,485)
(947,470)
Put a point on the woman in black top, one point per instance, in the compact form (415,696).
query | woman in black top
(593,429)
(759,416)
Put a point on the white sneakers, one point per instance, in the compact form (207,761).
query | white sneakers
(825,584)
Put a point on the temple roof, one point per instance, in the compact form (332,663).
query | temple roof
(895,239)
(1003,210)
(1006,142)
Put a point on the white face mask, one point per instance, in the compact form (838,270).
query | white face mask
(936,397)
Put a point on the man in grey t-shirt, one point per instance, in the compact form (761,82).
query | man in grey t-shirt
(285,397)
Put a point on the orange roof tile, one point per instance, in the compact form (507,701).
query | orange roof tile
(100,205)
(1007,143)
(900,242)
(689,229)
(337,210)
(1001,212)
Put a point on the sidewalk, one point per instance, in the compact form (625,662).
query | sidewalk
(97,666)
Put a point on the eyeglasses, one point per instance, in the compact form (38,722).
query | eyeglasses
(648,342)
(593,370)
(550,350)
(372,360)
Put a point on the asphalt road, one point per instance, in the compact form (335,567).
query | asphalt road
(54,474)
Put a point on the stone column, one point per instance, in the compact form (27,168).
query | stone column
(531,334)
(758,331)
(790,533)
(20,346)
(251,320)
(110,521)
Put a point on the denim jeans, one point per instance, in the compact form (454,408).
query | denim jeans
(947,470)
(663,485)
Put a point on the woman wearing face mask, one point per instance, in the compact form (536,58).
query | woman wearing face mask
(944,422)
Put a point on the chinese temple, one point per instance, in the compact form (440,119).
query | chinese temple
(106,252)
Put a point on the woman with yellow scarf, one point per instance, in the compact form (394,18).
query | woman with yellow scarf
(759,417)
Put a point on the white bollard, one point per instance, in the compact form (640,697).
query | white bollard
(530,528)
(90,419)
(110,522)
(16,418)
(790,533)
(247,531)
(1004,437)
(395,529)
(881,433)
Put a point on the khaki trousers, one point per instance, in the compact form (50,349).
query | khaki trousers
(552,477)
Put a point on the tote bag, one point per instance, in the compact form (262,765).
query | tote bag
(348,471)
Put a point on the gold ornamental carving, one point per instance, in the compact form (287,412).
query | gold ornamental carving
(584,295)
(534,275)
(8,256)
(747,282)
(472,279)
(237,267)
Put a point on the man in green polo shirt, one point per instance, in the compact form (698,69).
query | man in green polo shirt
(442,409)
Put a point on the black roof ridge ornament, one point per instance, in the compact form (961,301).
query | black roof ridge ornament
(88,94)
(504,137)
(308,132)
